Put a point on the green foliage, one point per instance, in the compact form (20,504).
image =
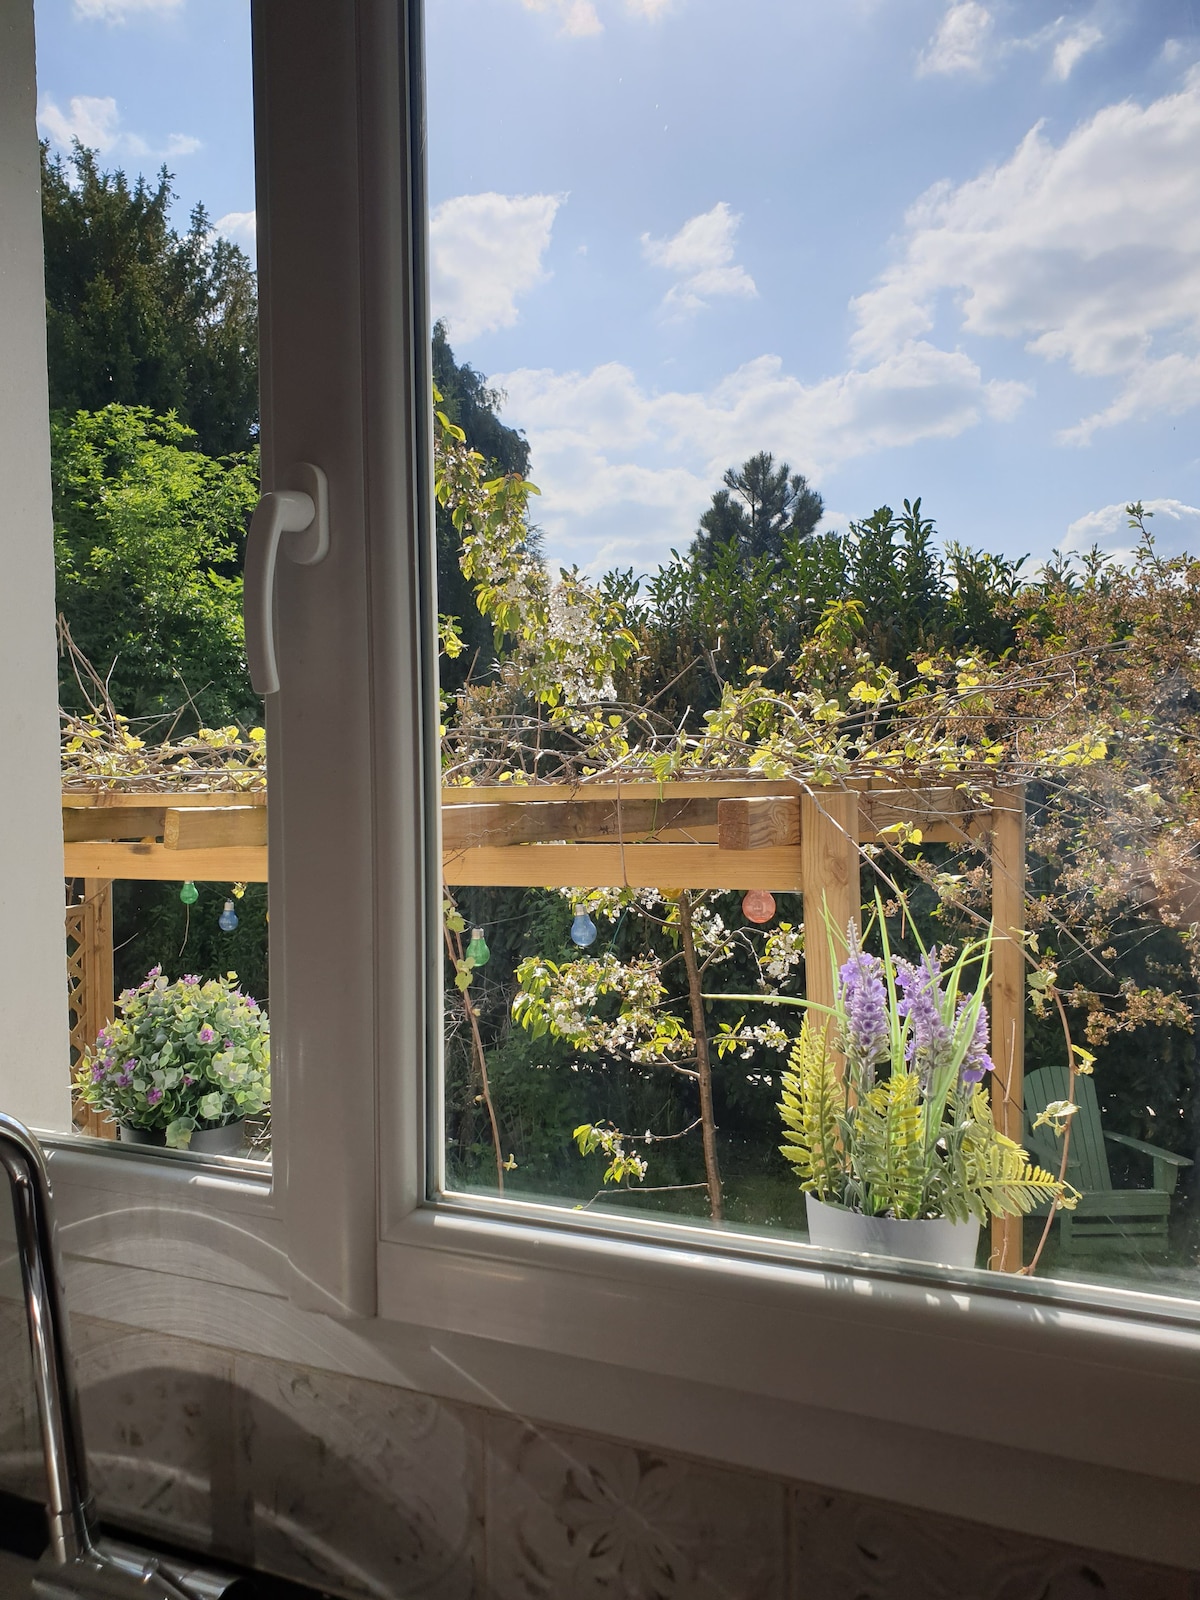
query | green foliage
(761,507)
(180,1056)
(468,404)
(139,315)
(812,1107)
(148,549)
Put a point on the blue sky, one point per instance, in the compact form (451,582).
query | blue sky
(937,247)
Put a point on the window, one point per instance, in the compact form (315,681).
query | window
(726,684)
(638,1323)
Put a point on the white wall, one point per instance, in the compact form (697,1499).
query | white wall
(33,1017)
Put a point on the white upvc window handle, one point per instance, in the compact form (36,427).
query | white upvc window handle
(301,512)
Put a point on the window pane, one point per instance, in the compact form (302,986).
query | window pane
(148,215)
(857,590)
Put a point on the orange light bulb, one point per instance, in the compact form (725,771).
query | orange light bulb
(758,905)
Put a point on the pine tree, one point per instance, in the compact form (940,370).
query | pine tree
(760,507)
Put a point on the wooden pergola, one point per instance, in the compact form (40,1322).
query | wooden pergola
(724,832)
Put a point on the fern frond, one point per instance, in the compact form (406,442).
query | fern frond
(813,1099)
(890,1146)
(999,1171)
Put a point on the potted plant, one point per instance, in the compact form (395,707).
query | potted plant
(182,1065)
(886,1115)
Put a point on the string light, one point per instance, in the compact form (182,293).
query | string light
(758,905)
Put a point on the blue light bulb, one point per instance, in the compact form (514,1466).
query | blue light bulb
(583,929)
(228,920)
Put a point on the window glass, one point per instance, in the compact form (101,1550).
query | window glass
(845,651)
(144,110)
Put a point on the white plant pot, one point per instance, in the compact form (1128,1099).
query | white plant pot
(936,1239)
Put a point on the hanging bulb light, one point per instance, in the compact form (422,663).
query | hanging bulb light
(477,950)
(228,920)
(758,905)
(189,894)
(583,929)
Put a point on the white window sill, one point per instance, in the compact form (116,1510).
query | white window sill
(1071,1418)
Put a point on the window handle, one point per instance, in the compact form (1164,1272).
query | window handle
(302,511)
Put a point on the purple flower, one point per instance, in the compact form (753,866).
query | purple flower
(863,1003)
(125,1079)
(206,1035)
(251,1003)
(190,980)
(155,972)
(977,1061)
(928,1035)
(188,1079)
(97,1071)
(153,1096)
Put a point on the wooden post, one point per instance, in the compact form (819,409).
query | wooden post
(90,968)
(1008,996)
(829,872)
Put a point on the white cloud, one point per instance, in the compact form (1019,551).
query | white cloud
(960,41)
(580,19)
(1088,250)
(1072,47)
(700,256)
(95,121)
(117,12)
(966,42)
(610,454)
(240,226)
(1109,528)
(486,250)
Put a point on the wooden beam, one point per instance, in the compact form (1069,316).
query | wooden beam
(247,864)
(653,866)
(1008,997)
(214,827)
(112,822)
(534,821)
(758,822)
(674,789)
(100,799)
(829,827)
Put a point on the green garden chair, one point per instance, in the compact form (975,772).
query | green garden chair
(1107,1221)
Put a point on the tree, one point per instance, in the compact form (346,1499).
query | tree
(471,406)
(148,537)
(771,503)
(140,315)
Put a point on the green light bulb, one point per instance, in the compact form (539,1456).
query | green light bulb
(477,950)
(189,894)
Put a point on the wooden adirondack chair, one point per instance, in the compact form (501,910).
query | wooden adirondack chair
(1106,1220)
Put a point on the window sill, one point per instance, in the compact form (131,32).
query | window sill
(1068,1418)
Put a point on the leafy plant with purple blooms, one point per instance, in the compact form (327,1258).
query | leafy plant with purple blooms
(885,1108)
(180,1056)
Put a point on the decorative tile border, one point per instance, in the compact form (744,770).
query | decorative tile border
(374,1492)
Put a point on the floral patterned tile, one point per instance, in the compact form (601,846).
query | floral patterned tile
(20,1445)
(155,1413)
(355,1485)
(579,1518)
(845,1547)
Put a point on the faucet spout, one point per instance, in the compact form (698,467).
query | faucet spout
(69,1504)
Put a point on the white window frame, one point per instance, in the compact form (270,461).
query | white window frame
(1063,1411)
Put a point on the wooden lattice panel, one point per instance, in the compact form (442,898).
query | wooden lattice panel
(89,983)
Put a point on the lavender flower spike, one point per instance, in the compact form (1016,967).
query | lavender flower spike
(977,1061)
(928,1036)
(862,1002)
